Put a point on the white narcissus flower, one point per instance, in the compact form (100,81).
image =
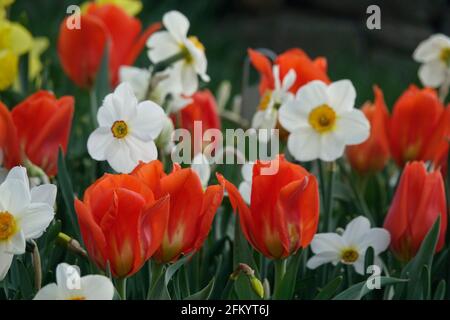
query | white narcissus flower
(24,214)
(201,165)
(127,130)
(245,187)
(322,121)
(267,116)
(350,247)
(434,54)
(70,286)
(174,40)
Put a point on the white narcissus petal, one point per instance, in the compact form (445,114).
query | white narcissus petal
(433,73)
(189,79)
(245,189)
(178,102)
(176,24)
(352,127)
(137,78)
(327,242)
(49,292)
(359,265)
(119,157)
(201,166)
(19,173)
(97,287)
(35,219)
(14,195)
(289,80)
(148,122)
(45,193)
(141,150)
(356,230)
(265,121)
(341,96)
(312,95)
(15,245)
(377,238)
(292,115)
(430,48)
(5,263)
(119,105)
(99,143)
(162,46)
(331,147)
(322,258)
(304,144)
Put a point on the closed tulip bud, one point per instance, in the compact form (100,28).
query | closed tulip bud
(192,210)
(415,123)
(373,154)
(418,201)
(121,223)
(257,286)
(43,124)
(284,208)
(102,28)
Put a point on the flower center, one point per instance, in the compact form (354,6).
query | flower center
(265,100)
(119,129)
(445,56)
(77,298)
(322,118)
(349,256)
(8,225)
(197,43)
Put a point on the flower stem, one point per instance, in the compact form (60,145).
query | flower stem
(280,270)
(121,286)
(156,271)
(326,176)
(444,89)
(94,107)
(37,266)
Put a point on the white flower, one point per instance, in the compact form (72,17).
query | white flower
(165,44)
(350,247)
(322,121)
(70,286)
(434,54)
(24,214)
(127,130)
(245,187)
(167,86)
(201,165)
(266,118)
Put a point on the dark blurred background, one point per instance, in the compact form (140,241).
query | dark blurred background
(335,29)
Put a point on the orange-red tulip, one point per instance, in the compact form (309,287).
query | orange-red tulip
(284,209)
(9,145)
(43,125)
(306,69)
(192,210)
(204,109)
(81,50)
(373,154)
(415,128)
(121,223)
(418,201)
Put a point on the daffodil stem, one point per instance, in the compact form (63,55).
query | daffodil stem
(160,66)
(37,266)
(326,176)
(121,286)
(280,270)
(156,271)
(94,107)
(443,90)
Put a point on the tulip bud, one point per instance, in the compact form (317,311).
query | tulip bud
(257,286)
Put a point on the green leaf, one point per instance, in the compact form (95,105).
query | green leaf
(439,294)
(329,290)
(359,290)
(414,269)
(289,281)
(65,185)
(203,294)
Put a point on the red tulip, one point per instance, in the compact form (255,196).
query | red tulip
(121,223)
(81,50)
(9,145)
(192,210)
(43,125)
(203,109)
(414,124)
(284,209)
(306,69)
(373,154)
(418,201)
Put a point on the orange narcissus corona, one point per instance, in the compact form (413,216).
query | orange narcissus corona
(192,209)
(417,126)
(121,223)
(81,50)
(373,154)
(418,201)
(284,208)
